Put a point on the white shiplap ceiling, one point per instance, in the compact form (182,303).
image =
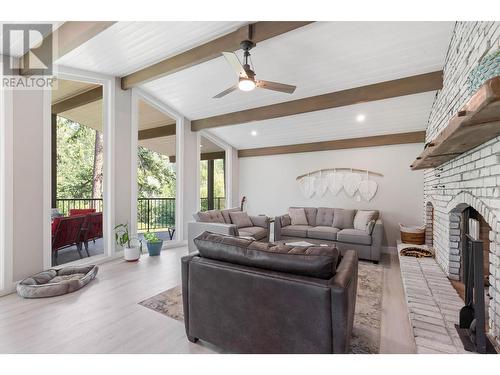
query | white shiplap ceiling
(166,145)
(128,46)
(319,58)
(397,115)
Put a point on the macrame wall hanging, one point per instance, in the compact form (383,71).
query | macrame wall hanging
(355,183)
(306,185)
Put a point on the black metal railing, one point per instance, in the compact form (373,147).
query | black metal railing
(155,213)
(66,204)
(219,203)
(152,213)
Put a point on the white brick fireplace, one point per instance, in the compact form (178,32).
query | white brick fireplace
(473,178)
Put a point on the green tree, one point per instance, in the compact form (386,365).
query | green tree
(76,154)
(155,175)
(75,159)
(219,187)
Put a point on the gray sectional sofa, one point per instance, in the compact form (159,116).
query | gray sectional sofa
(360,230)
(226,222)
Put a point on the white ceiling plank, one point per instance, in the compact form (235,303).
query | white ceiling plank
(397,115)
(318,58)
(128,46)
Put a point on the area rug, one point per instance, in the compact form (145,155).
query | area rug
(367,316)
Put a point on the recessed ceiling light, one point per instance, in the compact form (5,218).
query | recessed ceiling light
(254,133)
(360,118)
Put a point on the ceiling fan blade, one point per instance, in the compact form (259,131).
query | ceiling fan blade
(225,92)
(232,59)
(275,86)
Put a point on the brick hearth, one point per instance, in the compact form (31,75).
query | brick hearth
(433,306)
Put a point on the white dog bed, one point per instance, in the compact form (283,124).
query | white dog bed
(54,282)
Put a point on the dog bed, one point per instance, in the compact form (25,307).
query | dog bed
(54,282)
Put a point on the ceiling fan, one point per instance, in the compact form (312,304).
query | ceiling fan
(246,75)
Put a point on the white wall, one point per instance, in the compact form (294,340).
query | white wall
(269,183)
(6,200)
(123,154)
(28,169)
(233,177)
(188,180)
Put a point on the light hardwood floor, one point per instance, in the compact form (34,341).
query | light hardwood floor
(105,316)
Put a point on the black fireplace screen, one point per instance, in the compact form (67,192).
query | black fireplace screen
(472,316)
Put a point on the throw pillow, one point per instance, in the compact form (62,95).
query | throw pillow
(370,226)
(225,214)
(240,219)
(362,218)
(298,216)
(286,221)
(212,216)
(324,217)
(343,219)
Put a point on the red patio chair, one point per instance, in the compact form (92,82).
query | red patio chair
(67,234)
(92,229)
(81,211)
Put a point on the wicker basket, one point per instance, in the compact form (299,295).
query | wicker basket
(413,235)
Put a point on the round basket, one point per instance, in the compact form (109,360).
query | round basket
(412,234)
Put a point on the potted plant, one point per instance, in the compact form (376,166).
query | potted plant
(131,253)
(154,243)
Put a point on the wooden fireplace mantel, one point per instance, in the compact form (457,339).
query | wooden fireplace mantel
(477,122)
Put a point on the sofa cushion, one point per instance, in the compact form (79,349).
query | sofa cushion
(343,219)
(324,217)
(363,217)
(298,216)
(212,216)
(356,236)
(323,233)
(286,220)
(311,213)
(256,232)
(314,261)
(295,230)
(225,214)
(240,219)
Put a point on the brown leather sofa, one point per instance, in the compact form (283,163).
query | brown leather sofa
(246,296)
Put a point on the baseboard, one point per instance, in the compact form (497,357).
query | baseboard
(8,290)
(389,250)
(175,244)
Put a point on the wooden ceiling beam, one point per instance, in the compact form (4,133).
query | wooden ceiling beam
(160,131)
(257,32)
(213,155)
(340,144)
(78,100)
(69,36)
(377,91)
(205,156)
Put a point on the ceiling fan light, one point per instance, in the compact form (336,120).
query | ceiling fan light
(246,85)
